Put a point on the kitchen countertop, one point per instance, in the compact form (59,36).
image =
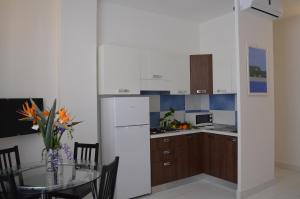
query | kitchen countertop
(215,129)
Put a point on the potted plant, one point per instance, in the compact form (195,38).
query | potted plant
(52,125)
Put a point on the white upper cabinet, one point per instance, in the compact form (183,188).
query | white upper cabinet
(119,70)
(125,70)
(217,37)
(180,74)
(155,71)
(165,71)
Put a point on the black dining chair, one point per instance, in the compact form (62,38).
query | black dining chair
(10,159)
(108,180)
(6,160)
(82,152)
(9,187)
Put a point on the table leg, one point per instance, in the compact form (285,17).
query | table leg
(44,195)
(94,190)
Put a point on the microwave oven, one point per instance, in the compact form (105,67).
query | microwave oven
(199,118)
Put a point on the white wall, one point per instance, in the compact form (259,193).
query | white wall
(256,113)
(287,92)
(77,74)
(28,60)
(137,28)
(48,49)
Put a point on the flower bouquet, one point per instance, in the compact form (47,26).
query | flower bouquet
(52,125)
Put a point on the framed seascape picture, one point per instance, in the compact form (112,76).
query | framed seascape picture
(257,71)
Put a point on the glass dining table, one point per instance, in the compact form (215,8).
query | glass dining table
(35,179)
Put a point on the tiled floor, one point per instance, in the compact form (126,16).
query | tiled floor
(286,187)
(197,190)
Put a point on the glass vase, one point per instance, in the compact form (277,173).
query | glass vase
(53,158)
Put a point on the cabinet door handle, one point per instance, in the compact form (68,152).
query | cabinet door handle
(157,76)
(221,91)
(182,92)
(167,164)
(124,90)
(233,140)
(166,140)
(201,91)
(166,152)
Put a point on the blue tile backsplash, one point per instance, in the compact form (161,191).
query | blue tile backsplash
(222,102)
(160,102)
(177,102)
(154,119)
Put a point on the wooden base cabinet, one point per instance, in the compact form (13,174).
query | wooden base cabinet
(195,154)
(168,159)
(229,160)
(220,156)
(178,157)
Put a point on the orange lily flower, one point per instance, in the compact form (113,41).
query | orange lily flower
(46,113)
(63,116)
(28,112)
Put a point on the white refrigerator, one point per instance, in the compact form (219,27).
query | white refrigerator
(125,132)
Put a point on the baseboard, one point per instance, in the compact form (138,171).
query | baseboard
(291,167)
(254,190)
(178,183)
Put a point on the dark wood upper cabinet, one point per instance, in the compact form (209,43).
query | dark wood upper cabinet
(201,74)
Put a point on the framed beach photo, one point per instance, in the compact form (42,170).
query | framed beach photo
(257,71)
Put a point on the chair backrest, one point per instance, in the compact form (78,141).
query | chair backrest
(108,180)
(86,152)
(10,191)
(6,160)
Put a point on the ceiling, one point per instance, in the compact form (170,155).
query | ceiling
(191,10)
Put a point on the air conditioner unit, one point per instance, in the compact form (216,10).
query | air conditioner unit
(271,8)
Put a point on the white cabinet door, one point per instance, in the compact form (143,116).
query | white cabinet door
(217,37)
(180,74)
(119,70)
(156,65)
(155,70)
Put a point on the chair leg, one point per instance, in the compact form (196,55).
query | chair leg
(94,190)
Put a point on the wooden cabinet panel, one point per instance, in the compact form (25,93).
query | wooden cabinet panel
(167,162)
(229,159)
(159,143)
(165,154)
(215,155)
(201,74)
(206,154)
(220,156)
(195,157)
(182,162)
(163,172)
